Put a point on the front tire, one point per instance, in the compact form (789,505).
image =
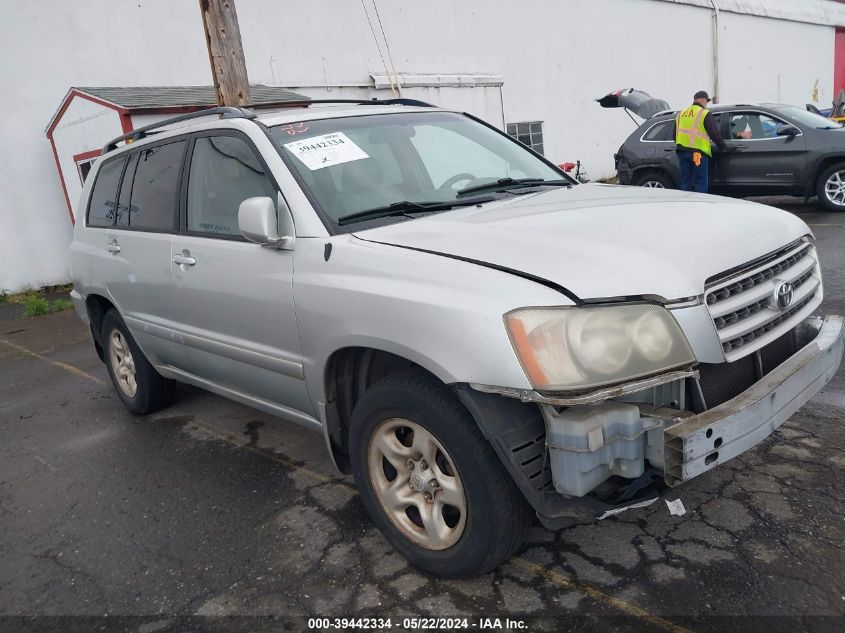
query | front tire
(830,187)
(430,480)
(138,385)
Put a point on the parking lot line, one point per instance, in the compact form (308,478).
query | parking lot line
(594,593)
(600,596)
(68,368)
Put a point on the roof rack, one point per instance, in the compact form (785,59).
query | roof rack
(226,112)
(230,112)
(373,101)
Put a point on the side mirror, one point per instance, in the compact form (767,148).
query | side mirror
(785,129)
(259,222)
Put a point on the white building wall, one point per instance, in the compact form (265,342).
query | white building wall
(763,59)
(555,57)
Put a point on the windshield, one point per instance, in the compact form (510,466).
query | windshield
(353,164)
(806,118)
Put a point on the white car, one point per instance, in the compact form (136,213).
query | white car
(478,338)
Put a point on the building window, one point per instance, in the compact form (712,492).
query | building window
(529,133)
(84,167)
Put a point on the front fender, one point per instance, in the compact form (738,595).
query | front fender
(442,314)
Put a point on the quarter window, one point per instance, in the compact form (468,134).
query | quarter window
(224,173)
(153,198)
(529,133)
(101,207)
(660,132)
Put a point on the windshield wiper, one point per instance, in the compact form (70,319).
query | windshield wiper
(405,207)
(505,183)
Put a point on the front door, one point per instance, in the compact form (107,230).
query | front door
(235,298)
(762,162)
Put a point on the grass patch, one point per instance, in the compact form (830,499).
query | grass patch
(35,305)
(60,304)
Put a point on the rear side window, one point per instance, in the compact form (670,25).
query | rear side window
(153,200)
(660,132)
(224,173)
(102,206)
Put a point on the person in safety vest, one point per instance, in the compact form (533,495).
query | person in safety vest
(695,129)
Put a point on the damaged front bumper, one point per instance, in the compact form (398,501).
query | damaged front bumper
(700,442)
(517,425)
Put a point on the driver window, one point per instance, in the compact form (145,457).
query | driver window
(752,125)
(224,173)
(446,155)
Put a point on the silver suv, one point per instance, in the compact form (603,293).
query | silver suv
(478,338)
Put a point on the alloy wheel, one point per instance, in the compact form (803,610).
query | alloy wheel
(417,484)
(653,184)
(122,363)
(834,188)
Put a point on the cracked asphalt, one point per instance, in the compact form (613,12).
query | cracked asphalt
(212,509)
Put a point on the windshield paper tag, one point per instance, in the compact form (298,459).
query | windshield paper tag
(326,150)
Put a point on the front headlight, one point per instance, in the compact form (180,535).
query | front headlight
(579,348)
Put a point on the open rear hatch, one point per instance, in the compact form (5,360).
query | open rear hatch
(631,100)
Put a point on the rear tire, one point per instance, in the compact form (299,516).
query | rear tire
(653,178)
(138,385)
(830,187)
(448,505)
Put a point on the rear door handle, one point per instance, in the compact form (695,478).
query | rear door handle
(184,260)
(113,248)
(668,149)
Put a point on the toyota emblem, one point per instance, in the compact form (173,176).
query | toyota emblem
(784,292)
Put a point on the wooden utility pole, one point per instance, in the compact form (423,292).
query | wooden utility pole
(225,52)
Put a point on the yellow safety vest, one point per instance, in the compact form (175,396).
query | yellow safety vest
(689,129)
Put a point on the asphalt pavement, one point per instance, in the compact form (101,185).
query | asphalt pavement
(212,516)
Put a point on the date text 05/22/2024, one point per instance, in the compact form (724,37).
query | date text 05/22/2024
(417,624)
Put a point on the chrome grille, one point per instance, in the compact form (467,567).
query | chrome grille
(743,306)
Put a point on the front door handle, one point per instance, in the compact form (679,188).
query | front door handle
(184,259)
(113,248)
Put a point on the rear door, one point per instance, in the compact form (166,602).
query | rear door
(235,298)
(763,162)
(657,149)
(139,278)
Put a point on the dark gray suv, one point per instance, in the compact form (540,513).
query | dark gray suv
(780,150)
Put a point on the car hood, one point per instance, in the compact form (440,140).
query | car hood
(601,241)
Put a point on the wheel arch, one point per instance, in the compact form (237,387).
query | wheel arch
(97,306)
(348,372)
(819,166)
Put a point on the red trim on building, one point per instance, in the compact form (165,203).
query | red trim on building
(838,61)
(76,93)
(126,122)
(86,155)
(61,178)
